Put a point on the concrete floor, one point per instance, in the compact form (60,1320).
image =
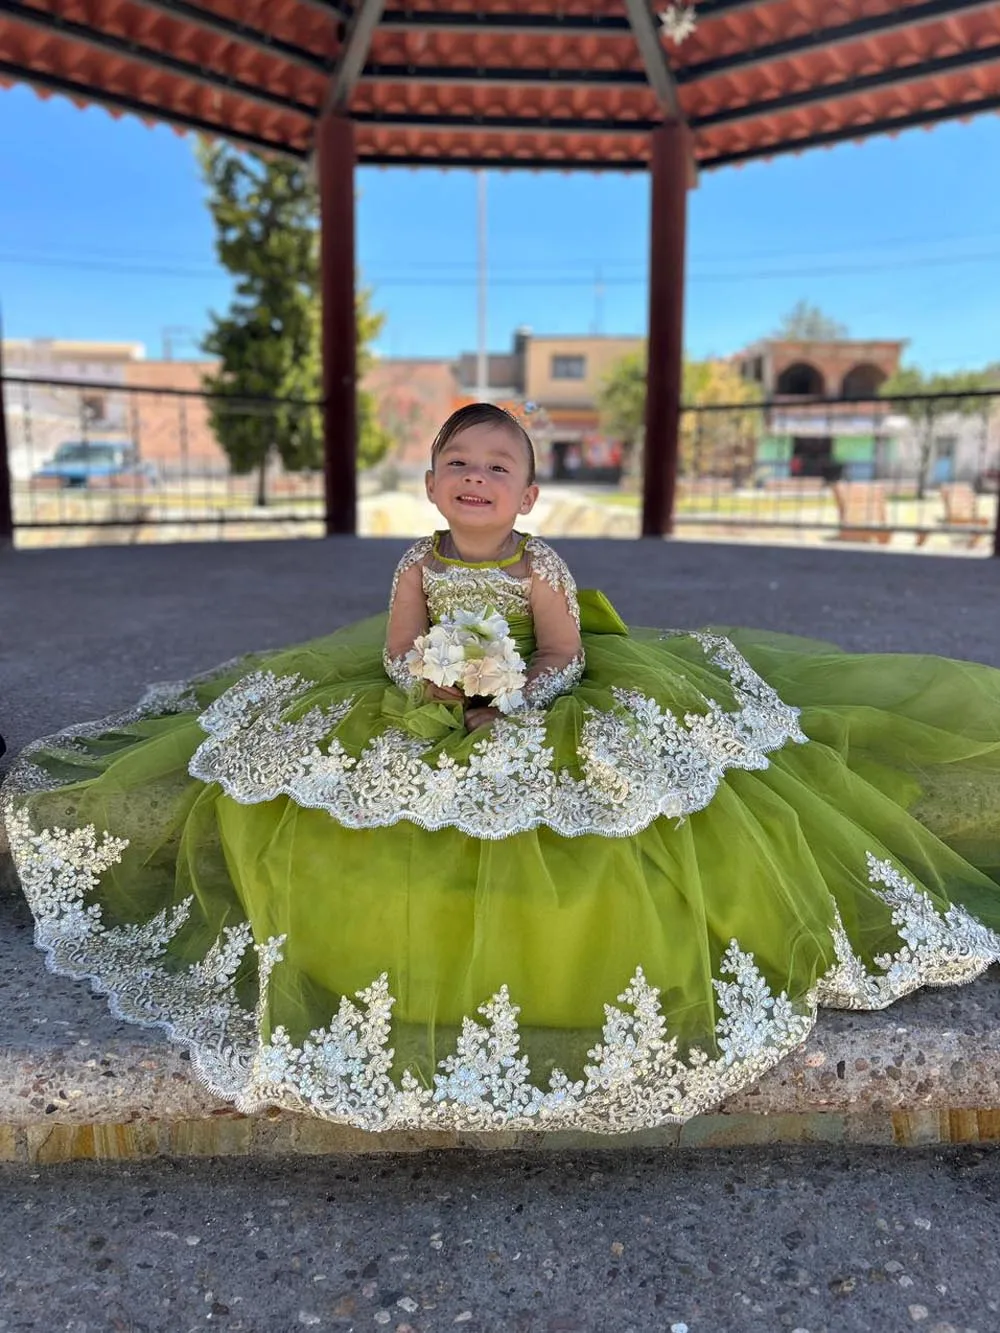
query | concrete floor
(83,631)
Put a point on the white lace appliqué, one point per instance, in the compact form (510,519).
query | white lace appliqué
(946,949)
(451,587)
(633,1079)
(638,760)
(547,686)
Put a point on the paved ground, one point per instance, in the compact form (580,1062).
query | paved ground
(748,1242)
(82,631)
(826,1241)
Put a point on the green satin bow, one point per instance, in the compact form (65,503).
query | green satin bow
(597,615)
(431,721)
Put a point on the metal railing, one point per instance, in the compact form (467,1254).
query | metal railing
(102,461)
(87,458)
(924,467)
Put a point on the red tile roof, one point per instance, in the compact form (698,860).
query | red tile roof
(516,82)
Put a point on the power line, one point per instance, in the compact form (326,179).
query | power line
(893,244)
(547,279)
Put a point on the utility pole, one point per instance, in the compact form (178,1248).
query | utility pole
(6,499)
(482,356)
(167,338)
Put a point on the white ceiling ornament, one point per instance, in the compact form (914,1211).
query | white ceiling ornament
(678,21)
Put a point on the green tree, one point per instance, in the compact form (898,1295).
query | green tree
(807,323)
(910,385)
(719,442)
(621,402)
(723,443)
(268,343)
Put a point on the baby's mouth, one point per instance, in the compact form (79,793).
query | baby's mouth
(473,500)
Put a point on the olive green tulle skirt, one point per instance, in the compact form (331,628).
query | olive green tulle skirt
(607,916)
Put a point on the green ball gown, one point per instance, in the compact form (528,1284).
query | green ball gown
(608,912)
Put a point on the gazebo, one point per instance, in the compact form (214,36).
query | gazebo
(597,85)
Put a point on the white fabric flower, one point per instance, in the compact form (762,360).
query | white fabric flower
(442,659)
(472,649)
(486,624)
(509,700)
(487,676)
(678,22)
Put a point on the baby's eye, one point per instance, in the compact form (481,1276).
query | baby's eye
(499,467)
(456,462)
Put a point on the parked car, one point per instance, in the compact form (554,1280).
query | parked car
(95,463)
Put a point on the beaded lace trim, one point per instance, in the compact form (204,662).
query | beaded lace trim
(639,760)
(456,586)
(634,1078)
(547,686)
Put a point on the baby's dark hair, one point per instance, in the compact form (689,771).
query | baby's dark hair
(483,414)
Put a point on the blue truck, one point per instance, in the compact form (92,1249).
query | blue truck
(79,463)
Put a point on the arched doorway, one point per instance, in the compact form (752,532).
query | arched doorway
(863,381)
(800,380)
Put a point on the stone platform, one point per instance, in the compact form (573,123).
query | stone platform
(82,633)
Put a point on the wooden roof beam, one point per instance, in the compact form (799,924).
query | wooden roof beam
(534,25)
(659,74)
(498,162)
(353,54)
(502,75)
(467,124)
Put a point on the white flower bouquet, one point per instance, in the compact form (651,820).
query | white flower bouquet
(472,650)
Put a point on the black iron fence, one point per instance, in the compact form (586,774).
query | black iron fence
(915,471)
(100,461)
(91,462)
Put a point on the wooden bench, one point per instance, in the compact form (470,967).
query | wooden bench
(860,506)
(961,511)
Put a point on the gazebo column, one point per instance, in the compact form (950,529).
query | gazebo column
(335,171)
(6,506)
(671,173)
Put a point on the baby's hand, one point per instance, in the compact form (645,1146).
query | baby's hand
(447,694)
(480,717)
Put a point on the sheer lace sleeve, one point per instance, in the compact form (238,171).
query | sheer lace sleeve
(407,613)
(558,660)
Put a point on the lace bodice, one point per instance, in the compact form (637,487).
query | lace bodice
(452,585)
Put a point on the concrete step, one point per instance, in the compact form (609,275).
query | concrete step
(75,1083)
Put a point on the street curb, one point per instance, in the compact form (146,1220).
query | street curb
(881,1084)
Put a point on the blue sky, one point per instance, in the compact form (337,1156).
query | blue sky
(104,234)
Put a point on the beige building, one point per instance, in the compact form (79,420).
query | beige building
(41,415)
(849,439)
(849,368)
(563,375)
(136,401)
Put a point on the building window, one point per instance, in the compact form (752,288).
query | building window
(94,407)
(569,367)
